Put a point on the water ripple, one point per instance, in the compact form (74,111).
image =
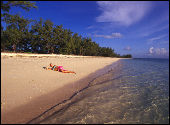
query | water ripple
(136,91)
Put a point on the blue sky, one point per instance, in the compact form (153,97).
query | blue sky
(140,28)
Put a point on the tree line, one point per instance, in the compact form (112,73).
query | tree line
(44,37)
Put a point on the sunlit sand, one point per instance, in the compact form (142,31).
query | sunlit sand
(27,89)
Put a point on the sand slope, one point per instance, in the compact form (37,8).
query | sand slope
(28,90)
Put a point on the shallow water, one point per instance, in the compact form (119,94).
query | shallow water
(136,91)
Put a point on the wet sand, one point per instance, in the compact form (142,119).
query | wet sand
(27,90)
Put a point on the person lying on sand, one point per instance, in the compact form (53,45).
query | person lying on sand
(58,68)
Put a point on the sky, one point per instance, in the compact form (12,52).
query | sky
(139,28)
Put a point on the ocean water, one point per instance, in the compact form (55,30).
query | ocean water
(133,91)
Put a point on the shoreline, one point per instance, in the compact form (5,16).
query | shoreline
(43,55)
(24,112)
(59,106)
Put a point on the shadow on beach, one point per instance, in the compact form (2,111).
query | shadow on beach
(40,107)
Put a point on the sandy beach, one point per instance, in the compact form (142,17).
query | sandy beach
(28,90)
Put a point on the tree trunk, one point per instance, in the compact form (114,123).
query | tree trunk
(52,49)
(48,48)
(14,47)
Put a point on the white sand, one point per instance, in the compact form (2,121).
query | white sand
(27,89)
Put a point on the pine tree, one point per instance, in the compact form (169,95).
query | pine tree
(16,30)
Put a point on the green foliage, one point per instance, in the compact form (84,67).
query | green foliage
(26,5)
(108,52)
(127,56)
(36,33)
(17,27)
(45,37)
(16,31)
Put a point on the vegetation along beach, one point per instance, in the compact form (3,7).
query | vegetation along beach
(84,62)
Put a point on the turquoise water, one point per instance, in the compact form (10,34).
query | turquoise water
(135,91)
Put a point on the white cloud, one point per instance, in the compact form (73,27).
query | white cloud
(151,50)
(116,35)
(151,40)
(164,42)
(122,12)
(113,35)
(90,27)
(152,30)
(128,48)
(158,51)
